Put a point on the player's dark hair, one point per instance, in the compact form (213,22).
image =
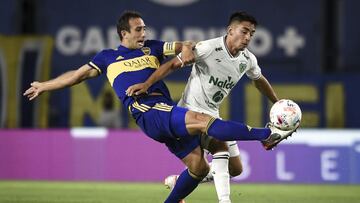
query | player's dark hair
(241,16)
(123,22)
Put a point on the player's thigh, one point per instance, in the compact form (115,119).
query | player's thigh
(196,123)
(196,162)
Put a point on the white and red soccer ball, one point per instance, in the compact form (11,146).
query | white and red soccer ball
(285,114)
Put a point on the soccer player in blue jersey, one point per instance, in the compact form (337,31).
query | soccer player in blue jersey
(155,112)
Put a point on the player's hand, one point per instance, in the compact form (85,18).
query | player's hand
(34,91)
(137,89)
(187,54)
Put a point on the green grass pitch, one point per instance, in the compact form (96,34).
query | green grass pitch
(113,192)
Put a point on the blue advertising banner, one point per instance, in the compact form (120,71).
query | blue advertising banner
(284,41)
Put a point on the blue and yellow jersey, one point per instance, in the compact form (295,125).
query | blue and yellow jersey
(125,67)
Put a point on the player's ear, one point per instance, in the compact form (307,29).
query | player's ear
(229,30)
(123,33)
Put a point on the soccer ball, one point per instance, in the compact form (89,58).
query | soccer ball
(285,114)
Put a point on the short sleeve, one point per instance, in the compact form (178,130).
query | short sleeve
(254,72)
(99,62)
(202,50)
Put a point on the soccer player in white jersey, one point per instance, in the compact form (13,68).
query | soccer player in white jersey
(219,64)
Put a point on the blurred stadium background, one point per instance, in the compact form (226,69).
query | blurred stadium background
(308,50)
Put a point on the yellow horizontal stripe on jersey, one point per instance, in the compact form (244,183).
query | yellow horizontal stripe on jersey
(169,48)
(140,108)
(95,66)
(146,106)
(163,105)
(161,109)
(130,65)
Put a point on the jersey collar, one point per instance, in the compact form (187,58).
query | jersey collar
(121,47)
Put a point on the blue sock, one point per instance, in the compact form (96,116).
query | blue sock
(230,130)
(185,184)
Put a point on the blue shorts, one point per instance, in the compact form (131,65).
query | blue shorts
(164,122)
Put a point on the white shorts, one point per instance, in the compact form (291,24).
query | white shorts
(233,147)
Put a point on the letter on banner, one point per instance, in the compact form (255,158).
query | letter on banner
(281,172)
(328,163)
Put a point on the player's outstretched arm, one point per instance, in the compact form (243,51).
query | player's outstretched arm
(265,88)
(67,79)
(164,70)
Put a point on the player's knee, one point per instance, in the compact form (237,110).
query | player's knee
(196,162)
(199,169)
(216,146)
(236,171)
(196,123)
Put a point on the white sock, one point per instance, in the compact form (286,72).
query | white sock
(220,172)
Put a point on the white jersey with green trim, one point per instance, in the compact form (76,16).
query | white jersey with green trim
(214,73)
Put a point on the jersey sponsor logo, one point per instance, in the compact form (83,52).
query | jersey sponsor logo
(140,62)
(218,96)
(130,65)
(227,84)
(146,50)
